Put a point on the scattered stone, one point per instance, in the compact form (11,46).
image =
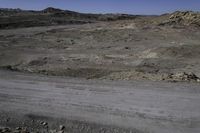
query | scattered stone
(8,119)
(183,18)
(127,47)
(5,130)
(18,128)
(61,127)
(183,76)
(44,123)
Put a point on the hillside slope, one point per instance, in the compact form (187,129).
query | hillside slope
(15,18)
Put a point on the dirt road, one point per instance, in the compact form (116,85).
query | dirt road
(153,107)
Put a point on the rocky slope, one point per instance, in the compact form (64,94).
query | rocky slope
(186,18)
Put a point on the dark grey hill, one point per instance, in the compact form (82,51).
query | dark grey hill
(16,18)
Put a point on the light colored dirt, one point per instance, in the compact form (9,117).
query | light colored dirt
(150,107)
(127,49)
(142,49)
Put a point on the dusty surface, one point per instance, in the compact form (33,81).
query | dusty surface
(119,50)
(110,46)
(80,105)
(122,47)
(101,47)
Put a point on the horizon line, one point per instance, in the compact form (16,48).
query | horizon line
(167,12)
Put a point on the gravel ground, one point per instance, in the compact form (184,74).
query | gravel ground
(44,103)
(116,50)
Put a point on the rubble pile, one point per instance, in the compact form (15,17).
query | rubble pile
(183,76)
(186,18)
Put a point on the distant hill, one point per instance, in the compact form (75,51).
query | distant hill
(15,18)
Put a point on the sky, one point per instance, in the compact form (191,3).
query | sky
(107,6)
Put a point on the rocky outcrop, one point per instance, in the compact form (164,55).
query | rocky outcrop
(186,18)
(183,76)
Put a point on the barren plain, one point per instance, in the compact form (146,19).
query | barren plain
(91,50)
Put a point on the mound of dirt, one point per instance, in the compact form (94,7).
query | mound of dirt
(186,18)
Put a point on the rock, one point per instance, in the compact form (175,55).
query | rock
(61,127)
(192,76)
(44,123)
(183,18)
(8,119)
(18,128)
(183,76)
(126,47)
(5,130)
